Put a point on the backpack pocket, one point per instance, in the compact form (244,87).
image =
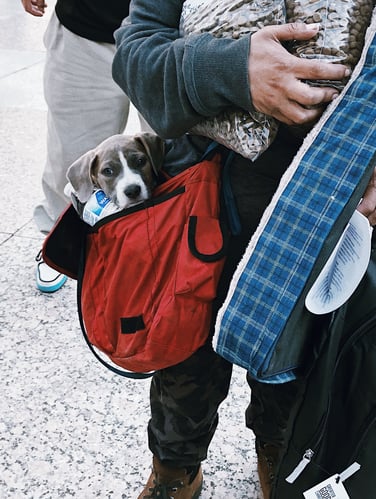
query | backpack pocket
(151,273)
(346,420)
(201,257)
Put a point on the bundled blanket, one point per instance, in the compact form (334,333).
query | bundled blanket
(263,325)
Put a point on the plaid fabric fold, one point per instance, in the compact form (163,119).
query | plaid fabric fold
(336,157)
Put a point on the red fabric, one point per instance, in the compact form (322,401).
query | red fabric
(140,265)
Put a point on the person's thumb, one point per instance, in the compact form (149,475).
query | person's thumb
(293,31)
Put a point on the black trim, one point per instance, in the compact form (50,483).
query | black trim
(130,325)
(139,207)
(192,226)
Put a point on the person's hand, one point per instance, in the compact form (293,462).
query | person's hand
(276,75)
(34,7)
(367,206)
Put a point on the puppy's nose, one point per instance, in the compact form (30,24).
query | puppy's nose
(132,191)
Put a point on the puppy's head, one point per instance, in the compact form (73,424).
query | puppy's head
(125,167)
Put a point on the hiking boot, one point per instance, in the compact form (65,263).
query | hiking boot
(267,459)
(172,483)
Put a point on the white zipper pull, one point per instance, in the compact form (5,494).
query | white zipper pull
(300,467)
(349,471)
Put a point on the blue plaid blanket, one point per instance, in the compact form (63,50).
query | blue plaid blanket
(336,157)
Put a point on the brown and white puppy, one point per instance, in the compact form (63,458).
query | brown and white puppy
(125,167)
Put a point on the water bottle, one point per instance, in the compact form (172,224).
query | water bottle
(98,206)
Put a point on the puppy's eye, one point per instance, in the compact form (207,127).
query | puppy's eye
(107,172)
(141,161)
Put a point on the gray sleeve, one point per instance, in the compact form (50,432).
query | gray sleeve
(177,82)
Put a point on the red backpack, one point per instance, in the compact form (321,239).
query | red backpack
(147,275)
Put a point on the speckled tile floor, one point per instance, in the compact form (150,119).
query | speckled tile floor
(68,427)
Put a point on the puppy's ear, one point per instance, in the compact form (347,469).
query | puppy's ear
(79,175)
(154,147)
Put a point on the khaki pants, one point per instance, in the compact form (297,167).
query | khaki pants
(85,106)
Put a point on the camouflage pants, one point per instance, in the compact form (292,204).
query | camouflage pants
(184,403)
(184,400)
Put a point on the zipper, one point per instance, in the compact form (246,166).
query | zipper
(307,456)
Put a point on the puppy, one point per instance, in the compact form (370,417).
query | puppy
(125,167)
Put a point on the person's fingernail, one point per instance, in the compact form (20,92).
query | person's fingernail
(313,26)
(347,72)
(334,96)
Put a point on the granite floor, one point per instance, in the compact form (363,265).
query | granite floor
(68,427)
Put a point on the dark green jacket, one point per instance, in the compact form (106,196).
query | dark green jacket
(177,81)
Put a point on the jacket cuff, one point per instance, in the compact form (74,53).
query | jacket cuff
(216,73)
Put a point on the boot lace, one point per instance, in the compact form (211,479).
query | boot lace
(163,490)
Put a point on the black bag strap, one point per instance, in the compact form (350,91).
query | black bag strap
(227,197)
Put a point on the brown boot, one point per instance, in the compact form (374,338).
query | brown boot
(268,456)
(171,483)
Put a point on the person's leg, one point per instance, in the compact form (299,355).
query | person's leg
(85,106)
(267,416)
(269,410)
(184,401)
